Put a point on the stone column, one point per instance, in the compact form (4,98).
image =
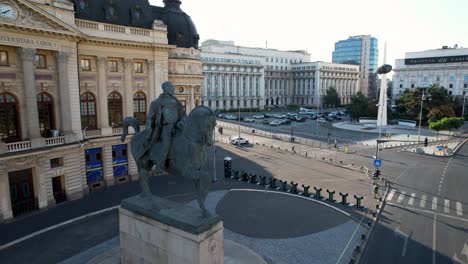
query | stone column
(192,98)
(128,89)
(103,116)
(151,82)
(30,96)
(5,202)
(64,93)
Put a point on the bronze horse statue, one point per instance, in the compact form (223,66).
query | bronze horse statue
(187,154)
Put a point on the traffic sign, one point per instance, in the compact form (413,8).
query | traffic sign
(385,131)
(377,163)
(440,148)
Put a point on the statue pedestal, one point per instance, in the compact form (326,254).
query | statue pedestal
(175,234)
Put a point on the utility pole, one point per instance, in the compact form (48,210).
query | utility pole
(239,119)
(423,97)
(215,179)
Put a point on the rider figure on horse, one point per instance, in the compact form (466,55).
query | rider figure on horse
(166,117)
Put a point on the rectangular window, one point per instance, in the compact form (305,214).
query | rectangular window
(451,85)
(98,156)
(3,58)
(437,79)
(40,61)
(85,64)
(138,67)
(113,66)
(465,85)
(452,78)
(466,78)
(412,85)
(56,163)
(450,92)
(401,85)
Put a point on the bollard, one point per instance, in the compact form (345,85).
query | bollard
(358,201)
(317,193)
(330,196)
(284,186)
(306,154)
(236,175)
(227,167)
(245,176)
(343,198)
(363,236)
(253,178)
(272,183)
(306,190)
(293,188)
(262,180)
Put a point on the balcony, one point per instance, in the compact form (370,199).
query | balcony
(18,146)
(103,30)
(92,133)
(26,145)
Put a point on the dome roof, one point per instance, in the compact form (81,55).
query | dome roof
(139,13)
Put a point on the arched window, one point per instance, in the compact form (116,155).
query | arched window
(139,107)
(88,111)
(9,118)
(45,110)
(114,104)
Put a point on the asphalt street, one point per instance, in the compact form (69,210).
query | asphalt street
(425,216)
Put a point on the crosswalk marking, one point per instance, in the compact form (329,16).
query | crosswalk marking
(400,198)
(423,201)
(447,206)
(459,209)
(434,203)
(411,200)
(390,195)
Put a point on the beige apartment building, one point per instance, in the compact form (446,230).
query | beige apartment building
(70,71)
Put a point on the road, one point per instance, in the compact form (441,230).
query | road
(425,216)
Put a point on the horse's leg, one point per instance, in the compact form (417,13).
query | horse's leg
(143,179)
(201,194)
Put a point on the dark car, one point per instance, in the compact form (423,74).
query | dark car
(285,122)
(268,115)
(329,118)
(300,119)
(292,118)
(266,121)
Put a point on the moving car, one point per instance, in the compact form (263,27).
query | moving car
(249,120)
(258,116)
(266,121)
(300,119)
(275,123)
(285,122)
(236,140)
(321,120)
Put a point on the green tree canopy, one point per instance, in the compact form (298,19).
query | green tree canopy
(440,112)
(359,106)
(447,123)
(332,97)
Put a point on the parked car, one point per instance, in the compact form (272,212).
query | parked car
(231,117)
(321,120)
(268,115)
(285,122)
(221,115)
(300,119)
(258,116)
(249,120)
(292,118)
(236,140)
(266,121)
(275,123)
(330,119)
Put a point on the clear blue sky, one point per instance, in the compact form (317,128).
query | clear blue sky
(315,25)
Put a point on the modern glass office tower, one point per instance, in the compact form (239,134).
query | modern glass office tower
(363,51)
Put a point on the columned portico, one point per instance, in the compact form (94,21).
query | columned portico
(128,89)
(33,132)
(64,93)
(151,78)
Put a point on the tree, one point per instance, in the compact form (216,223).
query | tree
(440,112)
(409,103)
(359,106)
(447,123)
(332,97)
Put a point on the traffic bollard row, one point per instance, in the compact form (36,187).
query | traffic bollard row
(330,196)
(253,178)
(245,176)
(272,183)
(294,188)
(284,186)
(262,181)
(236,175)
(306,190)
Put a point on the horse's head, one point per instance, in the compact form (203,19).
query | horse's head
(200,125)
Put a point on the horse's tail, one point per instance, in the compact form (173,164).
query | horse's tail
(129,121)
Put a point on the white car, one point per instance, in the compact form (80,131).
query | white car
(322,120)
(236,140)
(249,120)
(258,116)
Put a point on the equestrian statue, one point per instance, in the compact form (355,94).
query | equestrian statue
(173,142)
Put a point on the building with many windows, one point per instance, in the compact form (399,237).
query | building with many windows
(447,67)
(363,51)
(233,81)
(277,69)
(69,72)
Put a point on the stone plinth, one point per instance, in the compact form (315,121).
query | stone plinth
(175,234)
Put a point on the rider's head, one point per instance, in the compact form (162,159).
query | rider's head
(168,88)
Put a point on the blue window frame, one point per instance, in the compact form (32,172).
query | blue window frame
(94,165)
(119,160)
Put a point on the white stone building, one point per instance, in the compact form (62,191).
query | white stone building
(306,77)
(233,81)
(447,67)
(68,76)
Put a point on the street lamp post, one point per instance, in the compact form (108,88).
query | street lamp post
(423,98)
(239,118)
(463,109)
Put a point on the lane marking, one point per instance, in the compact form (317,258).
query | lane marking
(434,240)
(423,201)
(434,203)
(428,212)
(447,206)
(400,198)
(411,200)
(390,195)
(459,209)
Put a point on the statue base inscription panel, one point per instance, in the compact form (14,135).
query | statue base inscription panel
(174,234)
